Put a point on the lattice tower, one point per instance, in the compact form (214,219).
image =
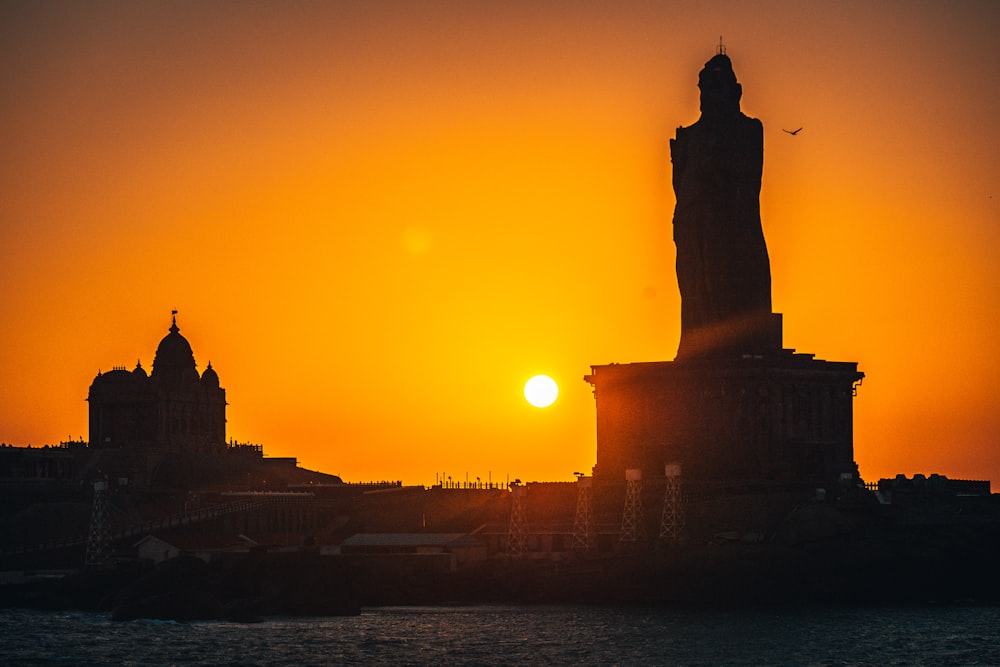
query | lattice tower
(672,521)
(583,524)
(99,538)
(632,530)
(517,538)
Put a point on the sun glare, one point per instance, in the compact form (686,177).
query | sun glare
(541,391)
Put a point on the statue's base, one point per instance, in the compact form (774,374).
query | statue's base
(774,417)
(753,331)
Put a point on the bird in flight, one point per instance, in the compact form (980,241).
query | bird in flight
(792,132)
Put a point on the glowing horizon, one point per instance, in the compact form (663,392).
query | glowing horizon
(377,222)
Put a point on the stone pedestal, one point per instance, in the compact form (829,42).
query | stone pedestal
(775,417)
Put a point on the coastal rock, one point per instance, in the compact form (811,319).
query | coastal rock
(185,605)
(186,589)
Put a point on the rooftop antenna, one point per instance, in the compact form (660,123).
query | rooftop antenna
(720,50)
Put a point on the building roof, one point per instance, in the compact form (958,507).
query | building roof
(200,542)
(411,540)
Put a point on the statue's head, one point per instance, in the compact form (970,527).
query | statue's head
(720,92)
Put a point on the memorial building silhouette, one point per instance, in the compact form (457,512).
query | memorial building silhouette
(735,404)
(173,409)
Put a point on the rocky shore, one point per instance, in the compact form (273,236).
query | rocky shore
(188,589)
(912,566)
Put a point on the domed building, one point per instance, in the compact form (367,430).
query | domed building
(171,409)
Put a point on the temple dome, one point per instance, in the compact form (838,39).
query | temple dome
(210,378)
(174,360)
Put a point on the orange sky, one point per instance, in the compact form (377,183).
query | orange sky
(377,220)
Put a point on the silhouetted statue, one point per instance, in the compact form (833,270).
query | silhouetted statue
(722,266)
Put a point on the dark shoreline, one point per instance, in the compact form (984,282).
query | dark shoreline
(914,567)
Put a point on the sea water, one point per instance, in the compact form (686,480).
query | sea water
(509,634)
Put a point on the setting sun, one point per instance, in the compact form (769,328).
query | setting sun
(352,204)
(541,391)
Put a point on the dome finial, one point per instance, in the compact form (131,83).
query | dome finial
(173,321)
